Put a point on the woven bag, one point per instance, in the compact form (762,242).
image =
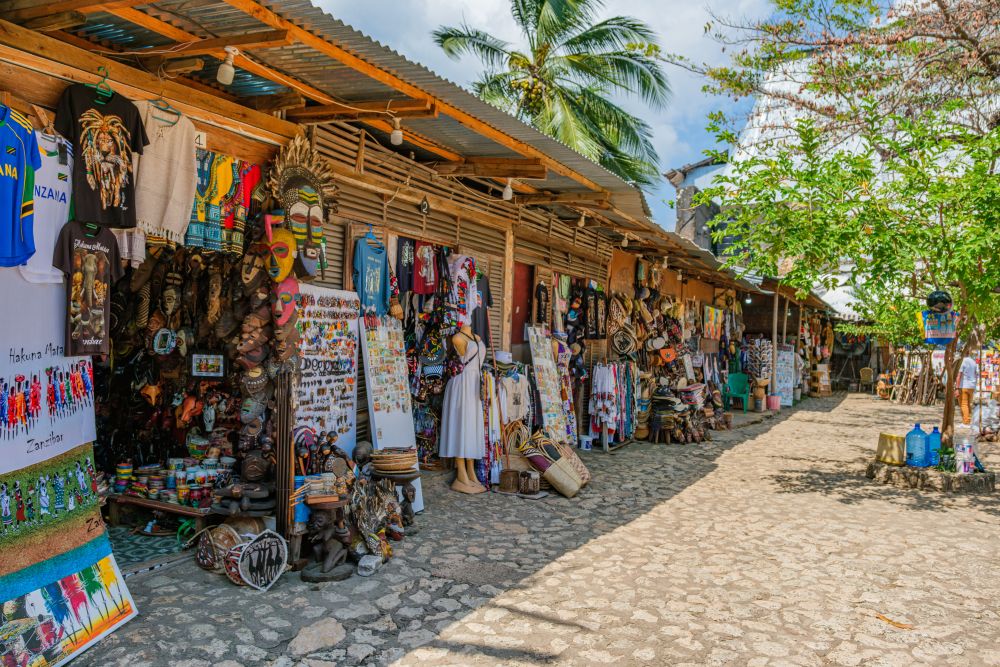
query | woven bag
(567,453)
(563,478)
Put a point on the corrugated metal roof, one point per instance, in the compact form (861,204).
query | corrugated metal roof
(211,18)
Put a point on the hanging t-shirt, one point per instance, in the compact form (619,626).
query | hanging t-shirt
(590,304)
(480,320)
(18,163)
(90,259)
(105,138)
(516,394)
(165,175)
(237,209)
(371,277)
(405,251)
(131,245)
(53,198)
(425,273)
(542,303)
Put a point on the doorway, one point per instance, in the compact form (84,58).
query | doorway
(524,276)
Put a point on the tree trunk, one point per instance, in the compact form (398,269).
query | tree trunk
(948,418)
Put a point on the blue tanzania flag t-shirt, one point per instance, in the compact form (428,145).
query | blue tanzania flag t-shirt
(19,158)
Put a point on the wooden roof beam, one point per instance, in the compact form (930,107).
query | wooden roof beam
(525,234)
(270,18)
(347,111)
(167,30)
(272,103)
(267,39)
(575,198)
(492,167)
(18,11)
(58,21)
(46,54)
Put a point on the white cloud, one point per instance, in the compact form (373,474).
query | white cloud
(679,134)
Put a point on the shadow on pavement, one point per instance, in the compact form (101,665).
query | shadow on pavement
(469,548)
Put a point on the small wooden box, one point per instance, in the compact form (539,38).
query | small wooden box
(891,449)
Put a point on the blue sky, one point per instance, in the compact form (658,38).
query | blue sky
(679,130)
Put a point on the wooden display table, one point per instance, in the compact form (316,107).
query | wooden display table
(115,501)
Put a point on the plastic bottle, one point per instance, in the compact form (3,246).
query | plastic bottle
(916,447)
(964,454)
(934,447)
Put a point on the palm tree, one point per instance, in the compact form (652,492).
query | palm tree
(564,82)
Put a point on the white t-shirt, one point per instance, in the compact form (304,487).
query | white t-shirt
(53,190)
(968,374)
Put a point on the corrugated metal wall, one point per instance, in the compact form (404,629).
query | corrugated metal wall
(484,239)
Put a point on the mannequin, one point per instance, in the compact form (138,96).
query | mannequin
(462,401)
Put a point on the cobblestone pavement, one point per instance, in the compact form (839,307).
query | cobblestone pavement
(766,546)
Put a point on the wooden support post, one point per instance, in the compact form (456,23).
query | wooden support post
(774,345)
(784,325)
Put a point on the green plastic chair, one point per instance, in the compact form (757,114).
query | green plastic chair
(738,386)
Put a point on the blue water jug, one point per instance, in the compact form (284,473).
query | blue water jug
(916,447)
(934,447)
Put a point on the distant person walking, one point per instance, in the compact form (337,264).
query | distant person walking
(968,379)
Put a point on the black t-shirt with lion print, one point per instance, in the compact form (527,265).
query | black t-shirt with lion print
(105,138)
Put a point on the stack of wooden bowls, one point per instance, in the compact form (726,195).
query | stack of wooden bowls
(394,461)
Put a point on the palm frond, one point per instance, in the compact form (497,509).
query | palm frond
(620,71)
(498,90)
(561,119)
(616,33)
(493,52)
(557,19)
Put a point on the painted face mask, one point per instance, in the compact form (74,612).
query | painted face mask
(252,268)
(284,298)
(282,255)
(302,182)
(252,409)
(305,215)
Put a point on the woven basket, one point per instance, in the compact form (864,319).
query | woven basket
(563,478)
(509,480)
(515,461)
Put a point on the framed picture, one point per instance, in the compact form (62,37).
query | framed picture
(208,365)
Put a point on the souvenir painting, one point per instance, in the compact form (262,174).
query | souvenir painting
(263,560)
(302,182)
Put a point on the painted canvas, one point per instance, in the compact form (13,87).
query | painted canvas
(59,583)
(60,588)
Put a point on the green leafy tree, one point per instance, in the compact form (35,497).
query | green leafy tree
(564,80)
(827,59)
(913,207)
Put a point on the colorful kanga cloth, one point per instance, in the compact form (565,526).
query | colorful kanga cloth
(464,293)
(217,177)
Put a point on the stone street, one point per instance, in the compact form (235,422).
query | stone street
(766,546)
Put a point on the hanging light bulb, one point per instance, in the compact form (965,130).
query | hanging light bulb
(625,241)
(508,192)
(396,136)
(748,300)
(226,71)
(582,222)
